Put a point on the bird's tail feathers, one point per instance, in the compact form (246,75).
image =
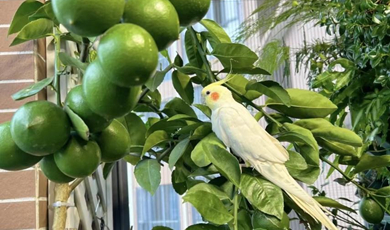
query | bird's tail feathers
(278,174)
(315,210)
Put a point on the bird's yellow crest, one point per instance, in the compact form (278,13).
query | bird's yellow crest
(215,93)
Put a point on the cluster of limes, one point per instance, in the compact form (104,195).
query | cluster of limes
(134,32)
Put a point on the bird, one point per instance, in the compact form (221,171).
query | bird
(239,131)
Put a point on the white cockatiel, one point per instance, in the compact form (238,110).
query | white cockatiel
(238,130)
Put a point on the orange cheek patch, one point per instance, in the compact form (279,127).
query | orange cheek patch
(215,96)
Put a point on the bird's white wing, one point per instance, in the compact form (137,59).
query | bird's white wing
(236,127)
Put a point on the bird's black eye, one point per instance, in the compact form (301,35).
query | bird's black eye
(207,92)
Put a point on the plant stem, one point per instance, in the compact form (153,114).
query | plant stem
(62,193)
(210,74)
(235,207)
(167,151)
(373,195)
(57,66)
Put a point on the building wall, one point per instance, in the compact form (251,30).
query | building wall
(23,194)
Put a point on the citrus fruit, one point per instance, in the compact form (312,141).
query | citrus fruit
(12,158)
(106,98)
(114,142)
(75,100)
(88,18)
(263,221)
(51,170)
(40,128)
(158,17)
(128,55)
(191,11)
(370,210)
(79,158)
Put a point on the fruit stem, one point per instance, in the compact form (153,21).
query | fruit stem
(57,74)
(210,74)
(370,193)
(235,207)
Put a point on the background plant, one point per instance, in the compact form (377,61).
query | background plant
(210,178)
(352,69)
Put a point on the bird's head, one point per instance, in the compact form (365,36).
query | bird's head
(216,95)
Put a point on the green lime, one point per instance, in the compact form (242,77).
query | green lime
(263,221)
(158,17)
(40,128)
(114,142)
(370,210)
(191,11)
(128,55)
(105,98)
(51,170)
(12,158)
(88,18)
(75,100)
(79,158)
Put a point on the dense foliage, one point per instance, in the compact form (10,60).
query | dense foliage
(352,69)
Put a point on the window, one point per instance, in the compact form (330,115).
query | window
(162,209)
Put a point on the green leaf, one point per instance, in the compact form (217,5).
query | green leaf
(182,117)
(244,220)
(193,55)
(45,11)
(209,206)
(33,30)
(205,110)
(260,220)
(136,128)
(148,175)
(107,169)
(154,139)
(246,70)
(199,156)
(309,151)
(20,19)
(178,152)
(225,162)
(304,104)
(183,86)
(296,161)
(190,70)
(71,61)
(338,134)
(210,189)
(202,131)
(234,55)
(328,202)
(368,161)
(78,124)
(168,126)
(271,89)
(158,78)
(297,134)
(161,228)
(32,89)
(178,106)
(263,195)
(338,148)
(137,131)
(216,31)
(204,227)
